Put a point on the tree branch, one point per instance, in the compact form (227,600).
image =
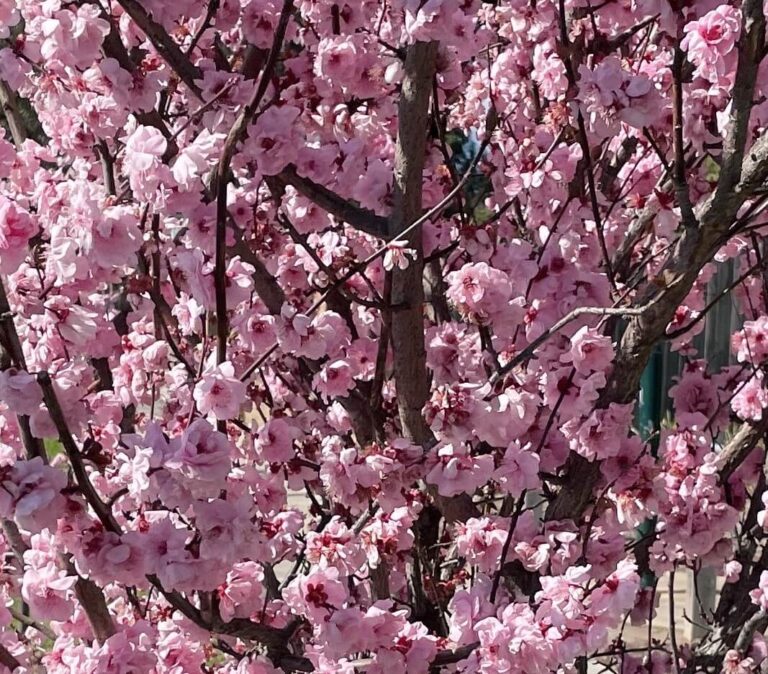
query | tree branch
(236,134)
(9,338)
(693,249)
(740,446)
(11,111)
(7,659)
(408,325)
(360,218)
(73,453)
(751,53)
(165,45)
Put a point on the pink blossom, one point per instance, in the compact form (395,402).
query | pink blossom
(751,342)
(518,470)
(732,571)
(47,591)
(201,454)
(220,393)
(549,71)
(335,546)
(9,17)
(274,139)
(316,595)
(617,594)
(275,440)
(20,391)
(223,527)
(750,399)
(187,312)
(398,255)
(73,37)
(481,542)
(711,40)
(16,228)
(590,351)
(760,594)
(455,471)
(241,595)
(35,490)
(479,291)
(143,151)
(117,557)
(76,324)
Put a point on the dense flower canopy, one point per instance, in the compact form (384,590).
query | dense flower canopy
(322,328)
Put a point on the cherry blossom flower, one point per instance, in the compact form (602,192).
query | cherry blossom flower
(219,392)
(456,471)
(384,472)
(710,41)
(316,595)
(398,255)
(20,391)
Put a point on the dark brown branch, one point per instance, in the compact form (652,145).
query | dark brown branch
(672,625)
(408,325)
(210,12)
(757,623)
(678,168)
(94,604)
(10,107)
(9,338)
(164,44)
(751,53)
(236,134)
(267,288)
(7,659)
(740,447)
(360,218)
(73,453)
(505,549)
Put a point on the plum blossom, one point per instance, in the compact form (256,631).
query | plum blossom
(750,344)
(275,440)
(710,42)
(456,471)
(220,392)
(242,592)
(751,399)
(32,493)
(316,595)
(201,454)
(479,291)
(47,591)
(335,379)
(518,470)
(144,149)
(481,541)
(590,351)
(9,17)
(19,390)
(398,255)
(760,594)
(16,228)
(335,546)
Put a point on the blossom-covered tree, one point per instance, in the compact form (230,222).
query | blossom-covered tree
(408,259)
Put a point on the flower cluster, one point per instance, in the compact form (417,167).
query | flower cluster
(323,325)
